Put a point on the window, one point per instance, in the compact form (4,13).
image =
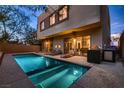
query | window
(52,19)
(55,18)
(63,13)
(42,26)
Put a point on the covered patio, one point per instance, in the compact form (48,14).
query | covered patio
(79,40)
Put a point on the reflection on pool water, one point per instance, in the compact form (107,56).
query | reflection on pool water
(49,73)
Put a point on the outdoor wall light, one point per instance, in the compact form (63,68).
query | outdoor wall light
(74,40)
(55,46)
(59,46)
(47,43)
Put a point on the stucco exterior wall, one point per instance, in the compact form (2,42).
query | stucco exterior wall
(105,19)
(96,38)
(79,15)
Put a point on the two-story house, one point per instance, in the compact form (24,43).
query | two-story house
(73,27)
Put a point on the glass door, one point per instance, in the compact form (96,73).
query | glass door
(86,42)
(85,45)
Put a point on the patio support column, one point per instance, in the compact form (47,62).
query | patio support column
(74,42)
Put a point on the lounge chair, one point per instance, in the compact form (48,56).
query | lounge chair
(66,55)
(47,53)
(70,54)
(54,52)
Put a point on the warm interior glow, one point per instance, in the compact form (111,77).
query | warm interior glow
(74,40)
(63,13)
(59,46)
(52,19)
(55,46)
(86,42)
(47,43)
(42,26)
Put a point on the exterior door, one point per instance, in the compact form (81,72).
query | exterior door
(78,46)
(85,45)
(47,45)
(68,45)
(86,42)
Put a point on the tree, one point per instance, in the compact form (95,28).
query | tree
(15,20)
(30,37)
(3,19)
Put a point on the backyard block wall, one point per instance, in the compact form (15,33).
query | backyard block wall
(0,47)
(18,48)
(122,46)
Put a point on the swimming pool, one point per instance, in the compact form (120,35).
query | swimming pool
(45,72)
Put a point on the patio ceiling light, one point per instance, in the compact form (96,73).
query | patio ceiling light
(74,40)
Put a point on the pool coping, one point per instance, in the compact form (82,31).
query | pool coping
(66,60)
(52,57)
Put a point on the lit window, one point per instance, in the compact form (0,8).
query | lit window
(63,13)
(52,19)
(42,26)
(59,46)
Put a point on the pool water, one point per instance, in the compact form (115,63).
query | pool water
(46,72)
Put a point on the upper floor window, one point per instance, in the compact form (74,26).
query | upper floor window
(52,19)
(56,17)
(63,13)
(42,25)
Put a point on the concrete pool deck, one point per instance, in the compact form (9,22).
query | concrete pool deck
(81,60)
(104,75)
(11,75)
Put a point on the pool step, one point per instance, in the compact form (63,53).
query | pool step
(39,77)
(49,81)
(63,79)
(69,79)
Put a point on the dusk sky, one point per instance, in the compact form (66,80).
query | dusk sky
(116,18)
